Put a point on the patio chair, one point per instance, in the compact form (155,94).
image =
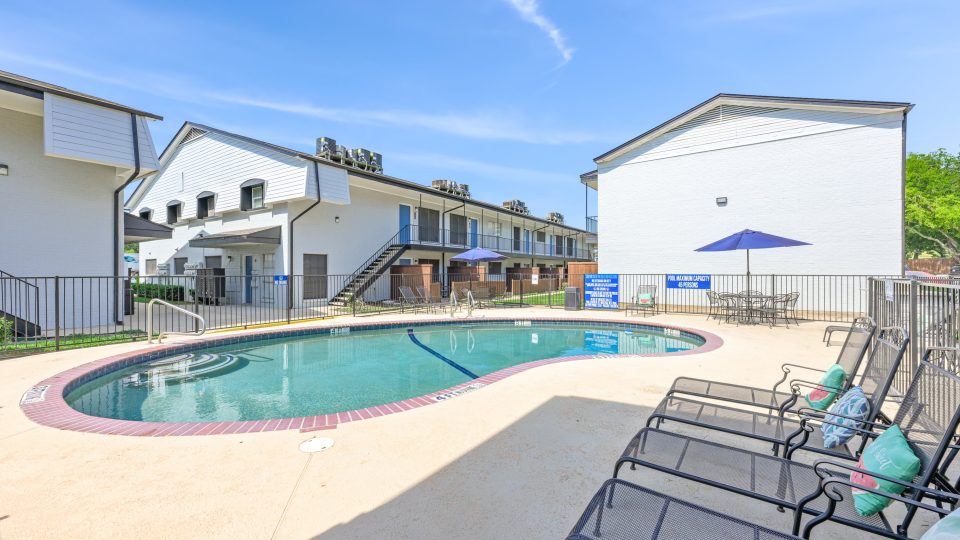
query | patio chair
(715,305)
(621,510)
(928,417)
(850,356)
(407,297)
(645,300)
(782,430)
(783,307)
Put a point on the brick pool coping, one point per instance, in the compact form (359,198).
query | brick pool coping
(53,410)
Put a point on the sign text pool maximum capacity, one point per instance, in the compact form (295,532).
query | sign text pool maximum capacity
(688,281)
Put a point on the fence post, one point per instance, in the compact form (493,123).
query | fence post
(290,296)
(56,313)
(196,304)
(912,325)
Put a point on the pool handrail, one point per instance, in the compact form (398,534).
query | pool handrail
(160,335)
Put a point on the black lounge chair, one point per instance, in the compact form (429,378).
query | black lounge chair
(781,428)
(851,354)
(635,512)
(632,512)
(929,415)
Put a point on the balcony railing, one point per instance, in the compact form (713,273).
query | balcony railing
(566,247)
(592,224)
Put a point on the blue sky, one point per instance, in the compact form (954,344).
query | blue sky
(514,97)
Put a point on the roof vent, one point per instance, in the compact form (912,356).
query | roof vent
(360,158)
(555,217)
(451,187)
(724,113)
(516,206)
(194,133)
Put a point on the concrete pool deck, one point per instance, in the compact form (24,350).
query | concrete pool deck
(519,458)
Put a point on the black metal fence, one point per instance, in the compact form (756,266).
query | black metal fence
(53,313)
(926,308)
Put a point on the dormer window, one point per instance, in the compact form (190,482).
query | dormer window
(251,195)
(205,204)
(174,209)
(146,213)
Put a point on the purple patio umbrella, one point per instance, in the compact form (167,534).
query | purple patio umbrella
(478,255)
(747,239)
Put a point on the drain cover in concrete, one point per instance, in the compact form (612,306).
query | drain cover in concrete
(316,444)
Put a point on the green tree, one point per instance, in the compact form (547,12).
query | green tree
(932,204)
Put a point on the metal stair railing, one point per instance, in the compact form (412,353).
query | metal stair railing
(160,335)
(393,241)
(16,299)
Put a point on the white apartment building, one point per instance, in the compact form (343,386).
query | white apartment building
(262,211)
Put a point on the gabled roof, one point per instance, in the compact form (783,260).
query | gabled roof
(756,101)
(25,85)
(188,131)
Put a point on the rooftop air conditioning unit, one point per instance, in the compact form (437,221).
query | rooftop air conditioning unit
(376,162)
(362,157)
(341,153)
(555,217)
(326,147)
(441,185)
(517,206)
(163,269)
(465,191)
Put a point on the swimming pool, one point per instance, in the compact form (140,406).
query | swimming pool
(335,374)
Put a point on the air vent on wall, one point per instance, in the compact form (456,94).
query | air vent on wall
(724,113)
(194,133)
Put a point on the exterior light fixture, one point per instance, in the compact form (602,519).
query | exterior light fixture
(721,201)
(336,219)
(4,169)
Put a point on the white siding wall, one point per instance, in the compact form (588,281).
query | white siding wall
(334,185)
(836,184)
(55,214)
(221,164)
(87,132)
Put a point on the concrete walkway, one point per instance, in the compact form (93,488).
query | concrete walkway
(517,459)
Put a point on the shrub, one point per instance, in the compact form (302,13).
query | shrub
(158,290)
(6,330)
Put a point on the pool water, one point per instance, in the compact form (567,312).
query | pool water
(325,373)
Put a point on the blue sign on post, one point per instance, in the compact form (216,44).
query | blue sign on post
(601,291)
(688,281)
(280,280)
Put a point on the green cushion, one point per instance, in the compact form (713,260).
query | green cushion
(947,528)
(645,298)
(890,454)
(821,397)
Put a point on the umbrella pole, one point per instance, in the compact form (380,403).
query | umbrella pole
(748,269)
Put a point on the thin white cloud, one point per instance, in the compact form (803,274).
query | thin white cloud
(474,126)
(529,11)
(482,126)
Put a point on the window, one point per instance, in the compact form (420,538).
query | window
(429,221)
(495,268)
(516,238)
(151,267)
(541,236)
(458,229)
(205,205)
(179,266)
(314,276)
(146,213)
(213,261)
(173,212)
(251,195)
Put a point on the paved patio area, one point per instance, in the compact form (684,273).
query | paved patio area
(517,459)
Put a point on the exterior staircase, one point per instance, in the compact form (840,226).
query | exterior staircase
(373,268)
(20,304)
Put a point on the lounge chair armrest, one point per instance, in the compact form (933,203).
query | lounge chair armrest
(797,384)
(789,368)
(820,465)
(817,415)
(805,424)
(935,494)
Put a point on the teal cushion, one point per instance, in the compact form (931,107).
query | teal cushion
(821,397)
(890,454)
(854,405)
(947,528)
(645,299)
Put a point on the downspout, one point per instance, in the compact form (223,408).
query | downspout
(116,216)
(316,174)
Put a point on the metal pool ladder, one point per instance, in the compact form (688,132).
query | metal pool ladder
(160,335)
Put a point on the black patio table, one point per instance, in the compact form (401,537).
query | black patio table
(747,306)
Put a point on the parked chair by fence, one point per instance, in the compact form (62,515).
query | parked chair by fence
(644,301)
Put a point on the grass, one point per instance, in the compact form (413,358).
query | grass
(554,298)
(74,341)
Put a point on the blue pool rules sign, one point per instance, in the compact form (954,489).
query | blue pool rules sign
(601,291)
(688,281)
